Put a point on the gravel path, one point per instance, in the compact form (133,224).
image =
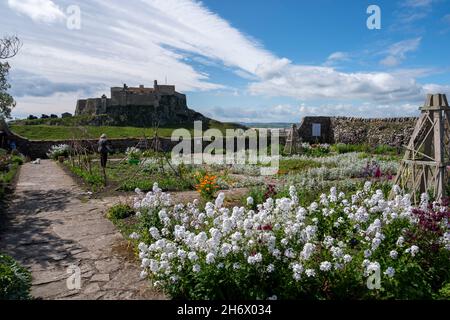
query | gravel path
(50,226)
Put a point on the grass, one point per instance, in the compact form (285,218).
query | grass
(123,176)
(76,127)
(9,167)
(291,166)
(47,132)
(365,148)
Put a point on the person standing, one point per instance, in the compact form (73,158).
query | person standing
(103,149)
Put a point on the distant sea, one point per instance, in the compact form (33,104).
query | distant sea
(266,124)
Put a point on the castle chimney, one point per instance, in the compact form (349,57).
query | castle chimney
(141,86)
(156,84)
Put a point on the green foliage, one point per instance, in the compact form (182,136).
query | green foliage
(119,211)
(296,165)
(9,166)
(346,148)
(76,127)
(94,179)
(15,280)
(444,292)
(131,185)
(56,151)
(6,100)
(365,149)
(17,159)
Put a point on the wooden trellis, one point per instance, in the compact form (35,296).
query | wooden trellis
(292,141)
(424,165)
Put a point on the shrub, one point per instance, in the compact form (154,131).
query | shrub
(119,211)
(15,280)
(346,148)
(133,153)
(444,292)
(94,179)
(131,185)
(58,151)
(207,186)
(315,150)
(17,159)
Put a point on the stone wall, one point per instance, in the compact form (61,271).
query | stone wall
(395,132)
(390,131)
(39,148)
(305,129)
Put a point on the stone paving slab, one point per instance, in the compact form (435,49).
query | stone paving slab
(50,227)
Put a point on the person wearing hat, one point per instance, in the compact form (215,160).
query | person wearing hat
(103,149)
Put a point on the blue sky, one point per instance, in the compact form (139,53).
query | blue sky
(258,61)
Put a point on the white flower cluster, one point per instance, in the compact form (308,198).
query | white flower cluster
(280,234)
(58,150)
(133,153)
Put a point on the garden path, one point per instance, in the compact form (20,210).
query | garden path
(50,225)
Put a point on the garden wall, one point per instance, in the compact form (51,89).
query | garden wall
(395,132)
(39,148)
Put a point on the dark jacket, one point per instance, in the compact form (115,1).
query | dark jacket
(103,146)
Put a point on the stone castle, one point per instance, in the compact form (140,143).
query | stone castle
(139,106)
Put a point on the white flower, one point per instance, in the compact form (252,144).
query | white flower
(270,268)
(210,257)
(396,189)
(254,258)
(145,263)
(393,254)
(134,236)
(400,241)
(325,266)
(249,201)
(307,251)
(367,253)
(236,266)
(219,200)
(192,256)
(154,266)
(196,268)
(154,232)
(310,273)
(143,274)
(390,272)
(274,297)
(373,267)
(412,250)
(328,241)
(142,247)
(347,258)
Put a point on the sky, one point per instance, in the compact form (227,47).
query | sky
(246,61)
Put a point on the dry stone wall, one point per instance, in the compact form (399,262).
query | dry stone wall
(377,131)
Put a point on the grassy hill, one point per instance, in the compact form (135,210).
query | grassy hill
(75,128)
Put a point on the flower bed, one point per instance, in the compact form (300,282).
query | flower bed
(360,246)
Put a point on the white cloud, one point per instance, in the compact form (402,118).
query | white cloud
(313,83)
(418,3)
(135,42)
(38,10)
(397,52)
(336,57)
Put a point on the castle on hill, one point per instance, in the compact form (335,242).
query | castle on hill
(139,106)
